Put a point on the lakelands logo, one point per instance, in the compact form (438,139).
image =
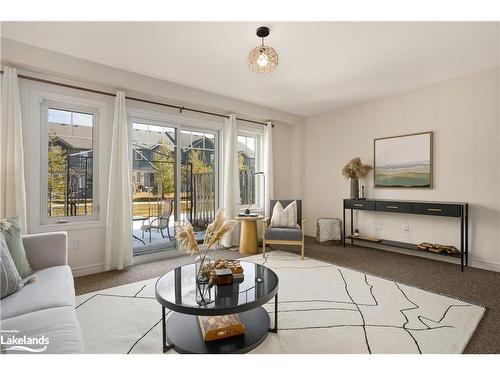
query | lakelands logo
(11,341)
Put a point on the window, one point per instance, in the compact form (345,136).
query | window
(68,164)
(246,158)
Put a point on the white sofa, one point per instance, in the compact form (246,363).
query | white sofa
(47,306)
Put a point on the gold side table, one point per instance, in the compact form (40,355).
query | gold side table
(248,234)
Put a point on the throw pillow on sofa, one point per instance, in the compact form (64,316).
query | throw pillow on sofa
(10,281)
(11,230)
(284,217)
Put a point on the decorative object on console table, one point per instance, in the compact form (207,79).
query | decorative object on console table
(355,170)
(403,161)
(363,192)
(458,210)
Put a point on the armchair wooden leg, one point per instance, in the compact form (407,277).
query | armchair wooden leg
(302,251)
(263,247)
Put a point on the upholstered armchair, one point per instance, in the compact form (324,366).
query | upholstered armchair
(284,236)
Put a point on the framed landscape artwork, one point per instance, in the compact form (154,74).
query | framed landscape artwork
(403,161)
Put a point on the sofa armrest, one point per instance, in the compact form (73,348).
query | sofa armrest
(46,249)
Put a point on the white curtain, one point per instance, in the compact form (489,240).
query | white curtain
(118,247)
(231,182)
(268,166)
(12,183)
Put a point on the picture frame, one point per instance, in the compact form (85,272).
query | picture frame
(404,161)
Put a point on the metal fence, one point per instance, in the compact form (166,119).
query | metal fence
(247,187)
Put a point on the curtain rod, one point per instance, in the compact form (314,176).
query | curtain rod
(180,108)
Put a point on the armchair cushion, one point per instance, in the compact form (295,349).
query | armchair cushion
(286,202)
(283,234)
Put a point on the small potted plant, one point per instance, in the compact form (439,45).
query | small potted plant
(355,170)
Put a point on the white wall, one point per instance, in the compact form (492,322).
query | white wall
(53,66)
(463,113)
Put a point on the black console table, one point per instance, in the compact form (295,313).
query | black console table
(449,209)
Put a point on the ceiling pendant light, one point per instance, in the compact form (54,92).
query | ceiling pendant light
(263,59)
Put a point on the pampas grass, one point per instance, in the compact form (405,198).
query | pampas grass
(215,231)
(355,169)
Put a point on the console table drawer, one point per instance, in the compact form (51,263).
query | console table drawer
(437,209)
(404,207)
(360,204)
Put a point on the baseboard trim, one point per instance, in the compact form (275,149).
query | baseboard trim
(88,270)
(140,259)
(473,262)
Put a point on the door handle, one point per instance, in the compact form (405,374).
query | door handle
(435,209)
(358,205)
(391,206)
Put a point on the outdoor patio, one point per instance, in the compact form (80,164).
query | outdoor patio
(143,243)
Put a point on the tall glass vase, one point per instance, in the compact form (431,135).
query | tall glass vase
(201,263)
(354,188)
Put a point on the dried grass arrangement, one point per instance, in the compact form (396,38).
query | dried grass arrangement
(355,169)
(214,233)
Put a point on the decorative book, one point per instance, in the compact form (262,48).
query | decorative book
(220,326)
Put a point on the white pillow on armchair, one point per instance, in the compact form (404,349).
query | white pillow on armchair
(284,217)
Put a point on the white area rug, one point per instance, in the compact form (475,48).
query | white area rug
(323,308)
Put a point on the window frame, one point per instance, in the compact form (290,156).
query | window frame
(258,134)
(73,106)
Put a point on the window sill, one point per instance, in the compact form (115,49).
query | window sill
(75,225)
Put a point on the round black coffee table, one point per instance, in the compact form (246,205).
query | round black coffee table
(178,291)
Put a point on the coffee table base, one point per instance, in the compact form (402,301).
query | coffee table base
(184,336)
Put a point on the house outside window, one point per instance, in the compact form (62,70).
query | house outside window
(69,170)
(246,160)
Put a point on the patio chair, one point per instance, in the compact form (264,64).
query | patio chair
(160,222)
(284,236)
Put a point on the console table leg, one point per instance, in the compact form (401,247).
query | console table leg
(275,329)
(165,345)
(462,238)
(352,228)
(343,223)
(467,235)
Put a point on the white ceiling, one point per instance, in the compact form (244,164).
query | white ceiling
(322,66)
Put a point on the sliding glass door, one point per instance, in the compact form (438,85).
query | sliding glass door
(198,178)
(174,178)
(154,181)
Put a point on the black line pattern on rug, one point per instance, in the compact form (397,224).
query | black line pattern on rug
(135,295)
(360,325)
(420,317)
(115,295)
(359,310)
(88,299)
(415,307)
(149,330)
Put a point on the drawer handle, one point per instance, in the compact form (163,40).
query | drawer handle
(358,205)
(391,206)
(435,209)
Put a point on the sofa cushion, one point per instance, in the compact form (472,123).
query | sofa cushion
(11,229)
(59,325)
(53,288)
(10,281)
(285,234)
